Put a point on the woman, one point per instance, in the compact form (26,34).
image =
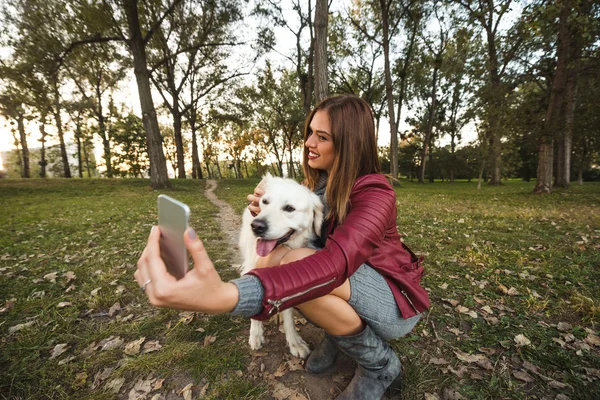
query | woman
(362,287)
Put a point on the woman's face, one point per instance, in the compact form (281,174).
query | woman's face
(320,143)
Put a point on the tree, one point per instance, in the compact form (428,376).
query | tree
(96,70)
(188,54)
(502,48)
(130,151)
(321,21)
(381,26)
(303,59)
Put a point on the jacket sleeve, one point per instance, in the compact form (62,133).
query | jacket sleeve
(372,205)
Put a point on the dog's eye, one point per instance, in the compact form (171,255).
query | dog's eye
(289,209)
(265,201)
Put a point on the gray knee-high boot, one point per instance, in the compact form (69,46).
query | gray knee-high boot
(323,356)
(378,366)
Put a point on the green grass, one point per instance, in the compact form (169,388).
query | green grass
(544,247)
(96,229)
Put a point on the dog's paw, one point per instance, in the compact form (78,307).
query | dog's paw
(299,348)
(256,341)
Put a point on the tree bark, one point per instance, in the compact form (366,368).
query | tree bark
(158,166)
(565,146)
(430,123)
(43,162)
(389,92)
(321,20)
(554,121)
(25,173)
(61,135)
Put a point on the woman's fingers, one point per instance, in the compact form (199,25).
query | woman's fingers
(197,250)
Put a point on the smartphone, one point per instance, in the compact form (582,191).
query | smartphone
(173,220)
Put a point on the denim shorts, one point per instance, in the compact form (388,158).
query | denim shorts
(373,300)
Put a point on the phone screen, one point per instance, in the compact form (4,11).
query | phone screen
(173,220)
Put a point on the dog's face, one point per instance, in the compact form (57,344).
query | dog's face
(288,212)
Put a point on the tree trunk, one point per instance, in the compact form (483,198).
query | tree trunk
(103,133)
(43,162)
(389,94)
(430,122)
(565,148)
(544,170)
(25,173)
(79,145)
(321,20)
(555,115)
(196,166)
(158,167)
(61,134)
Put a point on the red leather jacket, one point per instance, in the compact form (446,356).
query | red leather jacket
(368,234)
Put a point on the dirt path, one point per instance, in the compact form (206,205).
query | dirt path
(274,364)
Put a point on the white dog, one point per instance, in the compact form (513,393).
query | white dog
(290,214)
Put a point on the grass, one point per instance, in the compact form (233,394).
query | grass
(545,249)
(95,230)
(520,264)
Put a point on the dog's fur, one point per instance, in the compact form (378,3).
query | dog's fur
(290,214)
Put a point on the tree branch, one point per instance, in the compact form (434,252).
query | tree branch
(158,23)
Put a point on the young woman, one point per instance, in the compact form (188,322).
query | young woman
(362,287)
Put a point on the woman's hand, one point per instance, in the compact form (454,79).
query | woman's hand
(254,199)
(200,290)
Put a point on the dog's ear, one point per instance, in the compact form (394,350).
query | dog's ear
(318,214)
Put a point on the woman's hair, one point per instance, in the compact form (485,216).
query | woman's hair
(353,135)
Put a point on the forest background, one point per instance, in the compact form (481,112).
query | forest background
(461,89)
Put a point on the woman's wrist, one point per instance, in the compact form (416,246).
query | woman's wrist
(230,297)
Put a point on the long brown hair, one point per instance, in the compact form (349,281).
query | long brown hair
(353,135)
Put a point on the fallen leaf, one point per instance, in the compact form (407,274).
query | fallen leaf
(113,343)
(101,377)
(281,370)
(58,350)
(523,376)
(64,304)
(513,292)
(132,348)
(487,309)
(521,340)
(150,346)
(456,331)
(470,358)
(209,340)
(186,392)
(556,384)
(115,385)
(503,289)
(51,277)
(158,384)
(438,361)
(17,328)
(564,327)
(443,286)
(115,307)
(593,340)
(95,292)
(70,275)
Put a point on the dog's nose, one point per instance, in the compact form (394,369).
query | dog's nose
(259,226)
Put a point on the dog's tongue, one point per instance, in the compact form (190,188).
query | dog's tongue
(264,247)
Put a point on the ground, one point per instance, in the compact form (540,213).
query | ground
(514,280)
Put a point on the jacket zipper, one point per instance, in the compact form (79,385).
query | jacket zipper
(277,303)
(409,301)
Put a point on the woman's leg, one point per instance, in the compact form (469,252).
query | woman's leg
(332,311)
